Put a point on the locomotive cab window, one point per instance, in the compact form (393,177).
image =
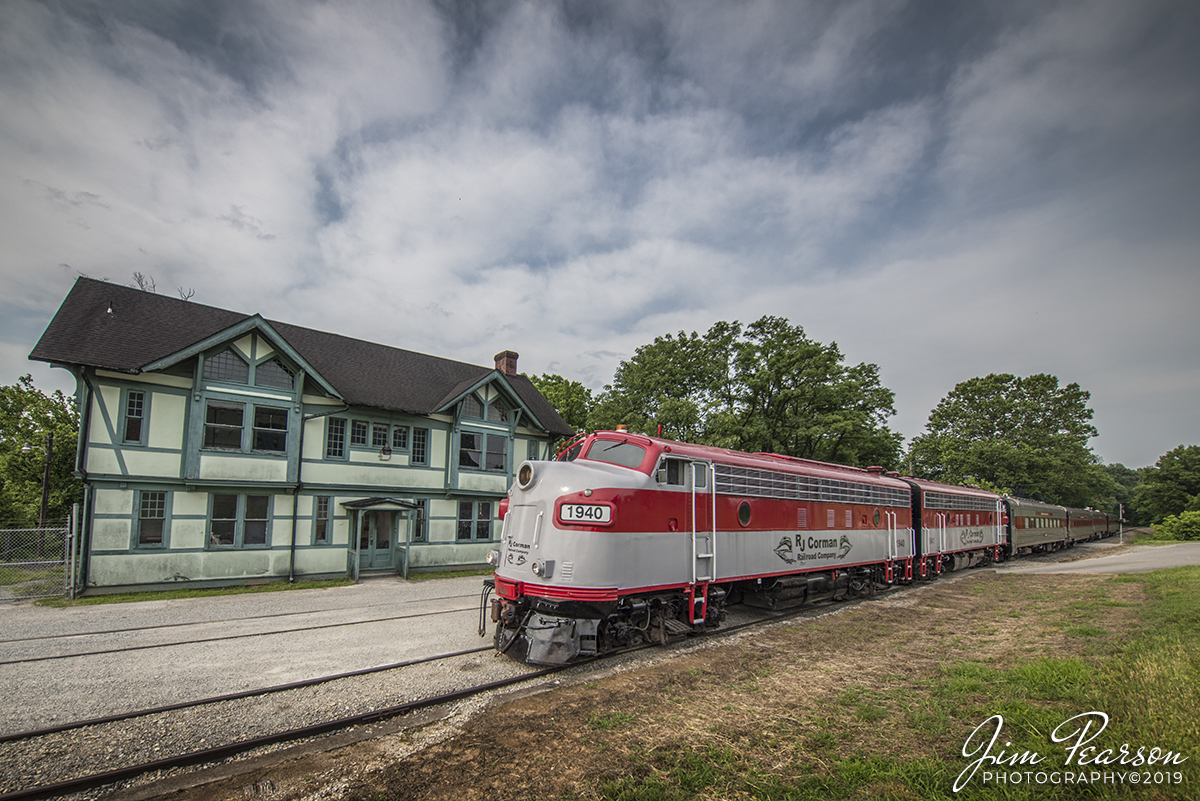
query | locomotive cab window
(623,453)
(673,472)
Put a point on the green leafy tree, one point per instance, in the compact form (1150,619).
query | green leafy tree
(765,388)
(1171,486)
(1028,434)
(27,415)
(1183,526)
(571,399)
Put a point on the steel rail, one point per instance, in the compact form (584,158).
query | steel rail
(227,621)
(295,685)
(230,637)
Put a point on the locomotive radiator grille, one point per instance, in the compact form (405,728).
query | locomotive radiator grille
(758,483)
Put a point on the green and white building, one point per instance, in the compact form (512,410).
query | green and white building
(217,447)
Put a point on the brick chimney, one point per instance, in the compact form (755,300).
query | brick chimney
(506,362)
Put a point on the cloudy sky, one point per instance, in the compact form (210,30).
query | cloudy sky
(945,189)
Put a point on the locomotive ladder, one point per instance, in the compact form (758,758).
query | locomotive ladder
(704,543)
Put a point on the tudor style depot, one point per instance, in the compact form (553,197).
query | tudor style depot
(220,447)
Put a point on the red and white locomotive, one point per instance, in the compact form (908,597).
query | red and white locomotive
(630,539)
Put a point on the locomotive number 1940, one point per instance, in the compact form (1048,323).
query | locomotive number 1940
(585,513)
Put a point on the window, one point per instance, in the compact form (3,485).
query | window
(321,521)
(474,520)
(273,374)
(472,450)
(420,446)
(254,531)
(335,439)
(399,438)
(379,435)
(358,432)
(239,520)
(471,407)
(152,514)
(497,412)
(531,450)
(135,414)
(223,425)
(270,429)
(419,523)
(497,453)
(227,366)
(224,520)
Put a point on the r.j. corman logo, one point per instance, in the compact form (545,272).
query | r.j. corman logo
(807,549)
(972,536)
(1087,761)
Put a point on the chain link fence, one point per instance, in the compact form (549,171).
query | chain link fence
(36,562)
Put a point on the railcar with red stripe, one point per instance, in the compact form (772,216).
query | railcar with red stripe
(633,539)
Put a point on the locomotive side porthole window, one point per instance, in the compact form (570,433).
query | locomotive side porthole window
(744,513)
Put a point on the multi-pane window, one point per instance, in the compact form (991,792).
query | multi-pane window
(497,449)
(399,438)
(474,520)
(379,435)
(135,413)
(420,446)
(497,411)
(321,520)
(223,425)
(482,451)
(227,366)
(254,531)
(358,432)
(223,529)
(335,439)
(531,449)
(270,429)
(239,520)
(470,450)
(471,407)
(273,374)
(152,515)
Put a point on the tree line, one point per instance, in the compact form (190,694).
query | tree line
(764,387)
(768,387)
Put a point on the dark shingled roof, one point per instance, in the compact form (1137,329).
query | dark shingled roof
(119,328)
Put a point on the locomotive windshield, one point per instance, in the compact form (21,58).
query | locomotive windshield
(623,453)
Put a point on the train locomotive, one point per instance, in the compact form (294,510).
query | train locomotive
(629,539)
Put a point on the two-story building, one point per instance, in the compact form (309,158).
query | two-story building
(219,447)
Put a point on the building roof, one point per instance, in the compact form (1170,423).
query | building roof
(113,327)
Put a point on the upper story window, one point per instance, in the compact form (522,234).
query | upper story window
(420,446)
(483,451)
(227,366)
(335,439)
(497,411)
(223,425)
(471,407)
(273,374)
(270,429)
(135,416)
(358,432)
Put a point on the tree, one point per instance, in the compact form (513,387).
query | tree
(765,388)
(1027,434)
(571,399)
(1171,486)
(27,415)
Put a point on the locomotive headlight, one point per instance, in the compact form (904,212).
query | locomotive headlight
(525,476)
(543,568)
(493,558)
(539,567)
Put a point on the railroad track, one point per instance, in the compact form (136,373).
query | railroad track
(237,746)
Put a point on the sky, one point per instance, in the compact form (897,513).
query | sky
(943,189)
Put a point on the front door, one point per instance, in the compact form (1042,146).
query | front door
(376,539)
